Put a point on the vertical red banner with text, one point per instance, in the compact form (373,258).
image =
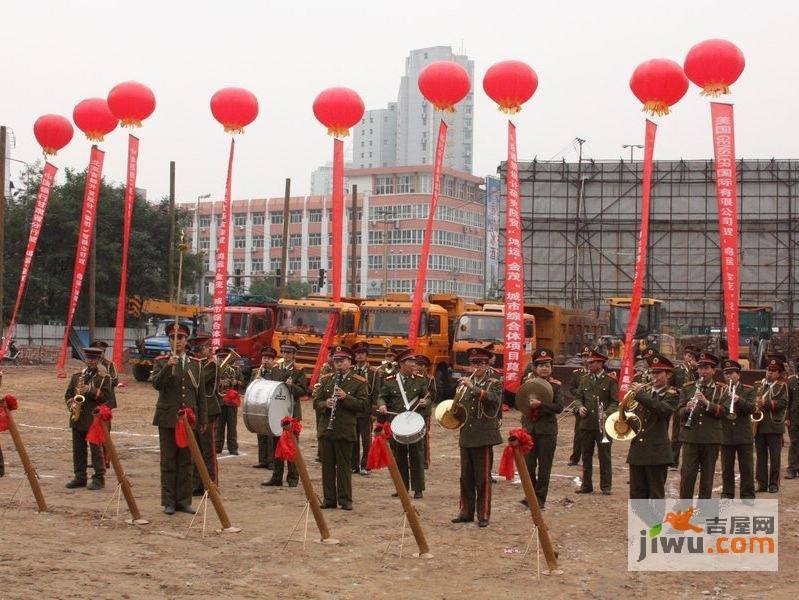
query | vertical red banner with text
(513,337)
(628,362)
(421,274)
(130,199)
(727,200)
(37,219)
(91,193)
(220,280)
(338,216)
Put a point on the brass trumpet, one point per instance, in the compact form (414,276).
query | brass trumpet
(74,406)
(451,414)
(623,425)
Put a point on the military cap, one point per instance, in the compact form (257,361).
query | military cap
(181,329)
(706,358)
(408,354)
(542,355)
(343,352)
(656,362)
(360,347)
(478,355)
(730,365)
(269,351)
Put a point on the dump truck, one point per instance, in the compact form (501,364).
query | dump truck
(565,331)
(755,324)
(648,334)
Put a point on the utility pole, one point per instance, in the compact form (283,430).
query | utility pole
(353,241)
(3,138)
(285,259)
(632,148)
(171,255)
(578,227)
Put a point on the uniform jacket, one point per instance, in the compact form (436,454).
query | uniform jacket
(416,386)
(775,408)
(593,390)
(483,405)
(706,423)
(296,380)
(652,445)
(209,381)
(347,408)
(372,383)
(101,391)
(546,422)
(739,430)
(683,374)
(186,387)
(793,401)
(574,380)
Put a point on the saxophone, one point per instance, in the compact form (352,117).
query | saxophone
(75,404)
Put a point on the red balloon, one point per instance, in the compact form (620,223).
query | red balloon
(94,118)
(131,102)
(510,84)
(714,65)
(53,132)
(235,108)
(444,83)
(658,83)
(338,109)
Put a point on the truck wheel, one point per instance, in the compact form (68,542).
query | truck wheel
(141,372)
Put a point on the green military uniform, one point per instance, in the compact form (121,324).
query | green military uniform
(410,457)
(700,443)
(183,386)
(205,438)
(681,375)
(769,433)
(574,383)
(432,390)
(227,422)
(478,436)
(793,427)
(266,445)
(336,433)
(294,377)
(101,391)
(363,427)
(542,425)
(593,391)
(736,440)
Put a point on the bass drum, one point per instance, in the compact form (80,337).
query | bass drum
(266,403)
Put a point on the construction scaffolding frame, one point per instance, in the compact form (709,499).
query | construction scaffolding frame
(580,225)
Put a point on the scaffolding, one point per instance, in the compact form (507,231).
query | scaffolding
(580,224)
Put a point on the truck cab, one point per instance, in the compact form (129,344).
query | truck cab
(247,329)
(755,324)
(152,346)
(648,334)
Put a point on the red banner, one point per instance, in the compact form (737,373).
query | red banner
(421,274)
(727,201)
(37,219)
(628,362)
(327,341)
(513,337)
(338,215)
(220,280)
(130,199)
(94,174)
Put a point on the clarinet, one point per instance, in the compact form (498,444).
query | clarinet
(690,421)
(339,377)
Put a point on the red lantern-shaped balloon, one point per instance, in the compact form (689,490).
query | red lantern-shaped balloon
(510,84)
(444,83)
(658,83)
(94,118)
(338,109)
(235,108)
(53,132)
(714,65)
(131,102)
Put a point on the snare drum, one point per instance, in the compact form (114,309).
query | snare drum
(266,403)
(408,427)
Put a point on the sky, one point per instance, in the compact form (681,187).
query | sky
(56,53)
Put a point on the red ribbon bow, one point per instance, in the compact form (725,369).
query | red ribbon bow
(232,398)
(96,433)
(286,449)
(181,435)
(378,458)
(507,465)
(9,403)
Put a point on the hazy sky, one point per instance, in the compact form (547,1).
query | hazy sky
(57,53)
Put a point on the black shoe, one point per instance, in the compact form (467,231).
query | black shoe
(584,490)
(573,463)
(355,470)
(328,505)
(363,472)
(773,488)
(76,483)
(606,492)
(672,467)
(169,509)
(272,482)
(233,452)
(788,474)
(395,495)
(259,466)
(462,519)
(524,501)
(97,483)
(219,451)
(186,509)
(318,459)
(198,491)
(418,495)
(482,523)
(761,488)
(270,465)
(346,506)
(293,483)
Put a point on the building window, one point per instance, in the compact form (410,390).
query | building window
(205,221)
(295,216)
(405,184)
(276,241)
(275,217)
(385,185)
(425,183)
(375,237)
(257,241)
(258,219)
(295,263)
(238,265)
(315,215)
(314,263)
(218,219)
(206,265)
(204,243)
(274,265)
(314,239)
(257,265)
(358,216)
(240,219)
(239,241)
(375,261)
(450,186)
(295,240)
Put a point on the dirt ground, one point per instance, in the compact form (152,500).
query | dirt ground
(69,553)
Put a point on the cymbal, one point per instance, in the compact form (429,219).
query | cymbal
(533,388)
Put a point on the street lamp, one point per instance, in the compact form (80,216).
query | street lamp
(632,148)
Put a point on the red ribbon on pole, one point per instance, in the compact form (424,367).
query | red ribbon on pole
(94,173)
(513,336)
(8,404)
(220,280)
(96,433)
(507,464)
(286,449)
(37,220)
(181,435)
(723,125)
(130,199)
(628,363)
(338,215)
(377,457)
(421,274)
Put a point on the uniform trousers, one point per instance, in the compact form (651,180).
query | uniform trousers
(176,470)
(745,455)
(698,459)
(539,463)
(768,447)
(591,439)
(476,466)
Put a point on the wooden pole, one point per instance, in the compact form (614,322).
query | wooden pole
(122,478)
(33,478)
(532,502)
(213,492)
(171,254)
(407,506)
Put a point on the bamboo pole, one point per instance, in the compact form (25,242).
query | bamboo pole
(33,478)
(407,506)
(122,478)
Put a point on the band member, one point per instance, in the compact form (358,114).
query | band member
(338,399)
(266,445)
(701,410)
(771,396)
(389,365)
(793,423)
(595,399)
(179,381)
(108,365)
(423,368)
(684,373)
(542,425)
(650,451)
(87,390)
(478,436)
(327,369)
(574,383)
(228,377)
(200,347)
(363,437)
(402,391)
(293,376)
(736,434)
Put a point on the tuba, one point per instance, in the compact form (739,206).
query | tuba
(623,425)
(451,414)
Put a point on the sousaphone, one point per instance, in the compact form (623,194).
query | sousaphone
(530,389)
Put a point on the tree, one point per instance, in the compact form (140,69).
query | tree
(267,286)
(50,279)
